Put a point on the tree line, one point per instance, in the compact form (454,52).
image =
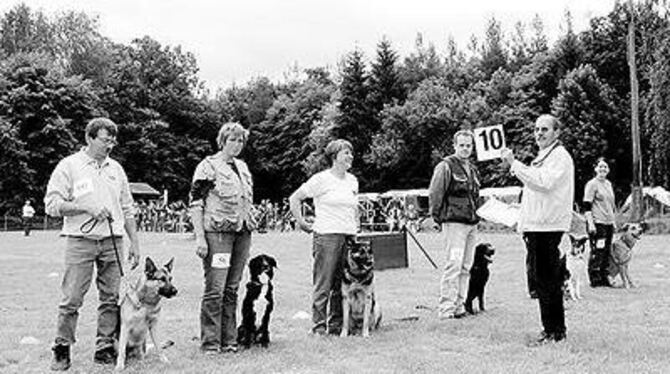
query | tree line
(400,112)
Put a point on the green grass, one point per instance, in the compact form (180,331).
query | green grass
(610,331)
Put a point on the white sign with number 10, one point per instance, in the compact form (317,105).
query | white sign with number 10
(489,141)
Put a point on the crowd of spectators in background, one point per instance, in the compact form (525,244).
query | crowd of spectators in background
(155,216)
(174,217)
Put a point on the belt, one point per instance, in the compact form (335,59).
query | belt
(81,237)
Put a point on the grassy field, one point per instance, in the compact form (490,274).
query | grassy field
(610,331)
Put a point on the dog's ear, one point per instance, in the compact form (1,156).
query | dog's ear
(169,264)
(149,267)
(625,227)
(644,225)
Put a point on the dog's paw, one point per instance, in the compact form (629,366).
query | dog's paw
(344,333)
(119,366)
(365,334)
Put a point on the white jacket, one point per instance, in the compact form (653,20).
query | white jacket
(548,191)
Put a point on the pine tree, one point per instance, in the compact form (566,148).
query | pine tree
(538,41)
(494,55)
(355,121)
(385,85)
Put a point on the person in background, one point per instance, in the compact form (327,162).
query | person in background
(599,205)
(546,214)
(334,192)
(28,212)
(91,191)
(453,196)
(223,219)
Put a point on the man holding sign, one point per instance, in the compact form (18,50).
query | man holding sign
(546,214)
(453,194)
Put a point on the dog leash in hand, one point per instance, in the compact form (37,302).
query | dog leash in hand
(88,226)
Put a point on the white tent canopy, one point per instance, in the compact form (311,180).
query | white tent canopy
(659,194)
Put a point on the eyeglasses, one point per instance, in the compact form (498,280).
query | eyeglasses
(108,141)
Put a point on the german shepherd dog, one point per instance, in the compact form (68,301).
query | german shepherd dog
(259,301)
(479,276)
(139,298)
(359,307)
(622,252)
(576,264)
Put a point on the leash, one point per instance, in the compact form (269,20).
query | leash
(116,251)
(419,245)
(89,225)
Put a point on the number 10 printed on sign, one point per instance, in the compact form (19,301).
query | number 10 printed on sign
(489,141)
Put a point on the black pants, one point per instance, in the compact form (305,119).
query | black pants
(548,272)
(27,225)
(601,242)
(530,272)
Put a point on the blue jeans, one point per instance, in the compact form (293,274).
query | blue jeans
(80,256)
(328,253)
(460,243)
(223,267)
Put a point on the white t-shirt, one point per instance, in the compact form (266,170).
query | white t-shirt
(28,211)
(335,202)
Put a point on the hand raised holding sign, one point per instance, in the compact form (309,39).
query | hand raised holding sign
(507,155)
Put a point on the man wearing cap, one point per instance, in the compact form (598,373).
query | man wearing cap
(88,189)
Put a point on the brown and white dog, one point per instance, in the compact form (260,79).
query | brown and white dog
(139,299)
(576,263)
(359,306)
(622,252)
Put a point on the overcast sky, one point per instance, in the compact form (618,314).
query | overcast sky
(235,41)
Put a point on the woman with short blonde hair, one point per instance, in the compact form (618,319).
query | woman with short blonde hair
(222,215)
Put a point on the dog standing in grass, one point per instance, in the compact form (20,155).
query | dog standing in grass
(576,264)
(359,306)
(622,252)
(479,276)
(258,301)
(139,300)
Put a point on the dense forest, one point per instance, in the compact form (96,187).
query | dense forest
(400,112)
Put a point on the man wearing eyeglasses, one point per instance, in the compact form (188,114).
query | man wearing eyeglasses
(546,214)
(91,192)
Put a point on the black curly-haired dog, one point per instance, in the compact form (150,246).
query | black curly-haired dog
(258,301)
(479,275)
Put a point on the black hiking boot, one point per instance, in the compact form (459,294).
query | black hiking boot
(61,359)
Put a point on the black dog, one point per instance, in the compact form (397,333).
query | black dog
(479,275)
(259,288)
